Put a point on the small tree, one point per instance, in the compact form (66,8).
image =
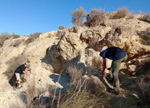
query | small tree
(78,16)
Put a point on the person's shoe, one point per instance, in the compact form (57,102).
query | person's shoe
(17,85)
(109,79)
(115,92)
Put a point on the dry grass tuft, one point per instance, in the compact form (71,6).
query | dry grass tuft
(74,73)
(83,99)
(31,93)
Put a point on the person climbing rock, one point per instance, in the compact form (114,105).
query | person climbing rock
(22,69)
(118,56)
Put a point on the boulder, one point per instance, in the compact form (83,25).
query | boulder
(94,84)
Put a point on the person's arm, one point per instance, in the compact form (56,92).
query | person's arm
(29,69)
(104,66)
(24,72)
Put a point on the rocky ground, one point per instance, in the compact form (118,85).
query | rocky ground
(54,52)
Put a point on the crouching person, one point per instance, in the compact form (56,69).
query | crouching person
(22,69)
(118,56)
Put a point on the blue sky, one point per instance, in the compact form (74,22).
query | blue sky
(29,16)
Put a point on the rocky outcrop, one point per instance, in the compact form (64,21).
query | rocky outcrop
(94,84)
(72,43)
(55,51)
(120,32)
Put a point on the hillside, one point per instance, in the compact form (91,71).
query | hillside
(55,53)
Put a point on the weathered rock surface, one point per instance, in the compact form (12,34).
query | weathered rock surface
(75,41)
(55,51)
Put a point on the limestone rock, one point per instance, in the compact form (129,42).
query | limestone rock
(94,83)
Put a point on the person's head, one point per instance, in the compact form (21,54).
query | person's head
(104,48)
(27,64)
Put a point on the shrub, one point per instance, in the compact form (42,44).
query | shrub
(13,63)
(15,35)
(130,16)
(78,16)
(3,38)
(98,16)
(29,40)
(74,73)
(61,27)
(121,13)
(35,35)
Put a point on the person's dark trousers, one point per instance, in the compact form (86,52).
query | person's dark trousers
(115,66)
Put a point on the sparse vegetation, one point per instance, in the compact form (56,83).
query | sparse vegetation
(15,35)
(121,13)
(78,16)
(98,17)
(4,36)
(35,35)
(74,73)
(80,99)
(75,97)
(13,63)
(29,40)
